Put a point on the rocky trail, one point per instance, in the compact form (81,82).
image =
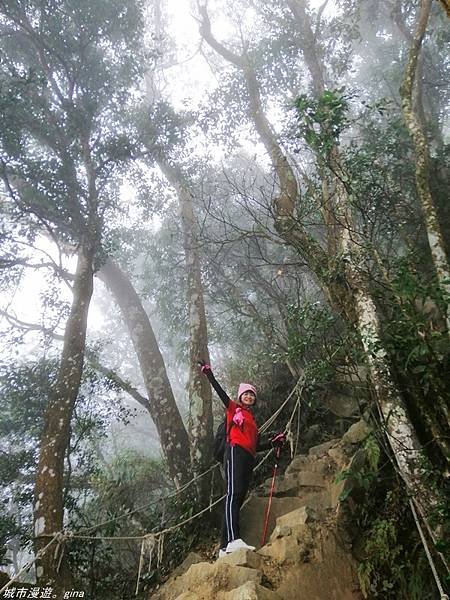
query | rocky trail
(306,557)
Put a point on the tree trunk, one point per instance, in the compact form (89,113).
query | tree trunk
(284,205)
(200,425)
(420,143)
(162,407)
(53,569)
(312,52)
(200,397)
(399,430)
(344,281)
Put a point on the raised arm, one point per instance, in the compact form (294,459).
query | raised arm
(206,370)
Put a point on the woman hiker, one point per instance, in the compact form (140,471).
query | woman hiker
(239,458)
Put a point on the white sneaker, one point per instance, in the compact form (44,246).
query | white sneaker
(222,553)
(238,545)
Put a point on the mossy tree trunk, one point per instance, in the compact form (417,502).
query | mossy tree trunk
(52,568)
(422,155)
(340,275)
(200,425)
(162,406)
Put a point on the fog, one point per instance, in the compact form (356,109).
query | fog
(235,182)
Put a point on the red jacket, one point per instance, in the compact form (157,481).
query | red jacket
(246,434)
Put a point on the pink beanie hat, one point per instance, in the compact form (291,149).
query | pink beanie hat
(245,387)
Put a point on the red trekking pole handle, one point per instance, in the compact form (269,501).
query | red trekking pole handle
(269,504)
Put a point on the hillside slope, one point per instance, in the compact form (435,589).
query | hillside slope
(306,557)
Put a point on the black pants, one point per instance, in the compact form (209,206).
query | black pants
(238,465)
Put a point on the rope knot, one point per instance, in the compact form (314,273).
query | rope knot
(60,537)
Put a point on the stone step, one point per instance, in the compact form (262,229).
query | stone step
(318,501)
(243,558)
(298,480)
(357,433)
(249,591)
(304,559)
(253,514)
(292,544)
(292,484)
(327,465)
(327,573)
(292,538)
(299,516)
(202,577)
(322,449)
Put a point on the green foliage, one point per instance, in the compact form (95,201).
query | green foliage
(317,339)
(360,477)
(382,549)
(391,559)
(417,341)
(8,528)
(24,391)
(394,564)
(322,121)
(373,453)
(163,129)
(130,496)
(260,308)
(66,76)
(130,480)
(439,518)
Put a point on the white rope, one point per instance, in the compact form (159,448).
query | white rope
(81,534)
(149,504)
(172,527)
(211,494)
(160,535)
(30,563)
(212,504)
(442,593)
(271,419)
(263,428)
(148,541)
(297,405)
(160,550)
(290,441)
(141,564)
(298,432)
(151,547)
(59,553)
(147,546)
(412,492)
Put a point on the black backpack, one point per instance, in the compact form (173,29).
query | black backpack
(220,441)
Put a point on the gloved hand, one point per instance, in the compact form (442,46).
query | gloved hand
(238,417)
(278,440)
(204,367)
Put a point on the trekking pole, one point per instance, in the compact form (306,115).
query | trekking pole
(269,504)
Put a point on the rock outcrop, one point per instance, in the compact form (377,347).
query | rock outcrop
(306,556)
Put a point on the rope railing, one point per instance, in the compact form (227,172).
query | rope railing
(415,507)
(186,485)
(443,595)
(56,537)
(63,536)
(191,518)
(150,541)
(177,492)
(412,493)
